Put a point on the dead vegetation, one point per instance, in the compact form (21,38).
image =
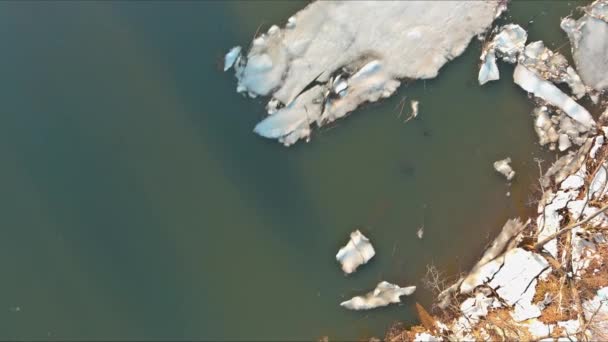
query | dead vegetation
(562,307)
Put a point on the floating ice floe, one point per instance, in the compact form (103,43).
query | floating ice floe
(510,42)
(420,232)
(566,165)
(544,127)
(489,70)
(589,41)
(545,90)
(372,44)
(358,251)
(551,66)
(384,294)
(507,44)
(503,167)
(231,57)
(414,105)
(556,128)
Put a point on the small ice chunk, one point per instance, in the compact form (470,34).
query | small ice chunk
(358,251)
(384,294)
(573,182)
(597,189)
(552,66)
(420,232)
(474,308)
(589,41)
(544,127)
(489,70)
(510,42)
(339,85)
(291,22)
(414,105)
(426,337)
(231,57)
(274,29)
(503,167)
(531,83)
(564,142)
(599,142)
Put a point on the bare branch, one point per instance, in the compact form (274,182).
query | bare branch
(539,245)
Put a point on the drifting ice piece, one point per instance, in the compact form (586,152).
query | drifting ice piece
(231,57)
(589,40)
(489,70)
(507,44)
(544,128)
(420,232)
(510,42)
(414,105)
(357,252)
(552,66)
(404,39)
(384,294)
(503,167)
(531,83)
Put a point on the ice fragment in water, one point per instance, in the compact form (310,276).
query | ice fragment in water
(384,294)
(357,252)
(231,57)
(503,167)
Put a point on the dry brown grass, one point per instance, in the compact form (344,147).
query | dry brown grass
(399,333)
(590,282)
(501,327)
(554,312)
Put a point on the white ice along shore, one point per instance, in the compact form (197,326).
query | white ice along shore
(589,41)
(384,294)
(332,56)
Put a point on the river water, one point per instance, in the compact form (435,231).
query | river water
(137,203)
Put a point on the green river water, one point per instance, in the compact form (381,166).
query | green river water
(137,203)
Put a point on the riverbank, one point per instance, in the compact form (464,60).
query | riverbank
(547,278)
(546,286)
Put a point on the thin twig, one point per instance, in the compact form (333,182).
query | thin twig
(599,307)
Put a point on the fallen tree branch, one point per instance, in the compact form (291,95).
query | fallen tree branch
(539,245)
